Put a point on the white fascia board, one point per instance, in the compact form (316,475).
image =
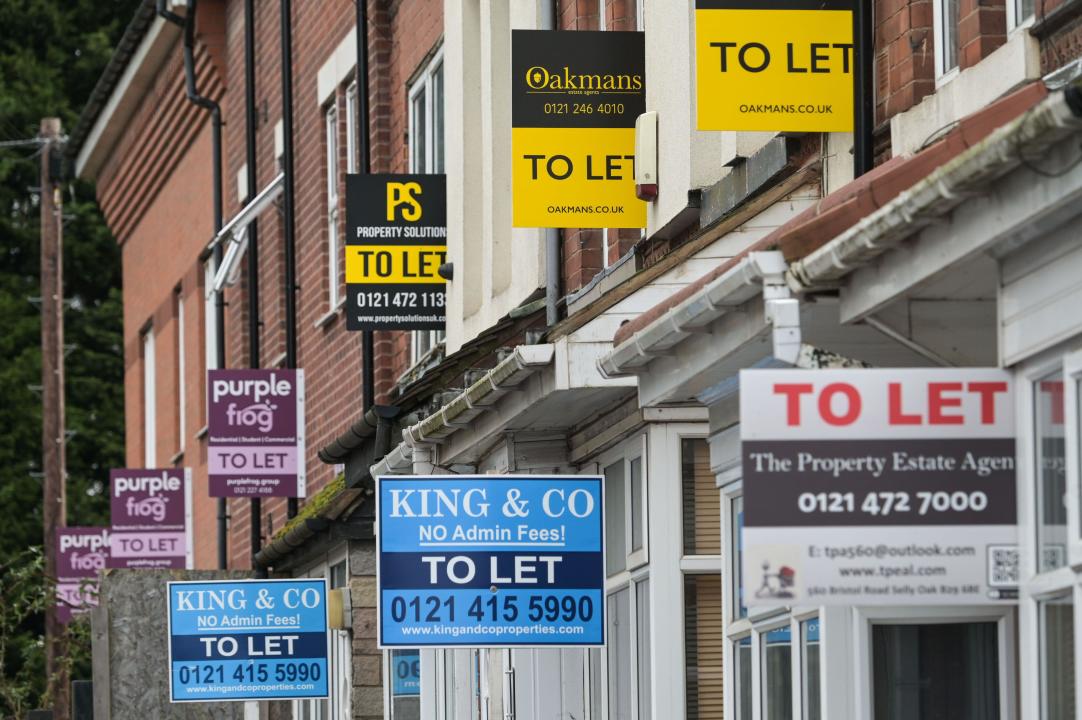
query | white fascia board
(112,121)
(940,193)
(732,289)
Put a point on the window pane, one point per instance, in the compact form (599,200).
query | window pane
(417,134)
(210,316)
(437,119)
(1052,482)
(615,543)
(950,34)
(150,409)
(637,518)
(1057,658)
(778,674)
(337,575)
(1023,9)
(742,655)
(703,646)
(619,654)
(351,128)
(736,507)
(702,503)
(642,652)
(809,633)
(405,685)
(935,671)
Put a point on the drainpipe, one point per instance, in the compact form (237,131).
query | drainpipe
(187,24)
(552,235)
(254,322)
(287,201)
(368,354)
(864,90)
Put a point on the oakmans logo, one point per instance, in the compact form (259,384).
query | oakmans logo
(540,78)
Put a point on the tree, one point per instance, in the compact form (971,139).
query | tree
(51,55)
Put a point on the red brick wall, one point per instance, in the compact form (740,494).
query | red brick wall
(982,27)
(904,55)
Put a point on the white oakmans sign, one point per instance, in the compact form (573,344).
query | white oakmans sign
(893,486)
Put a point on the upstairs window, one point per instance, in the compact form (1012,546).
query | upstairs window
(945,17)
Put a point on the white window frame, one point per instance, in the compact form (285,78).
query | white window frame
(1015,20)
(1035,586)
(330,131)
(182,394)
(626,452)
(150,401)
(423,84)
(210,315)
(943,73)
(340,662)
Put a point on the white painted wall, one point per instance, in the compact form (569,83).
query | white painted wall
(966,92)
(496,266)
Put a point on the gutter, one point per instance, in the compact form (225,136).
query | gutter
(475,400)
(755,273)
(1034,132)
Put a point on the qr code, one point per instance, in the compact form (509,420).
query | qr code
(1002,566)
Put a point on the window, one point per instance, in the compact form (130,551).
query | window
(736,511)
(946,35)
(702,503)
(1051,472)
(352,127)
(1056,618)
(340,661)
(625,517)
(334,241)
(182,396)
(1019,11)
(150,428)
(809,648)
(948,670)
(628,651)
(426,152)
(703,647)
(405,685)
(742,674)
(777,673)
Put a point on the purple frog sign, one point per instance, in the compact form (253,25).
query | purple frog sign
(151,518)
(82,553)
(255,428)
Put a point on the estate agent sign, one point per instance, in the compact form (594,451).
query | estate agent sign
(396,241)
(775,65)
(151,516)
(247,640)
(490,561)
(255,431)
(82,553)
(574,100)
(892,486)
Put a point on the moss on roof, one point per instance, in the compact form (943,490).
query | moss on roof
(315,506)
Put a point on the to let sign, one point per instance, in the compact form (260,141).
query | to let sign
(255,429)
(396,241)
(574,100)
(151,517)
(247,640)
(893,486)
(82,553)
(491,561)
(775,65)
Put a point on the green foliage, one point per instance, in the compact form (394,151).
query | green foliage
(51,55)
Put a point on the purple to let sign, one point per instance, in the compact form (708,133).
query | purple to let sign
(81,554)
(151,518)
(255,428)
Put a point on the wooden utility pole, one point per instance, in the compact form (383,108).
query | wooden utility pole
(54,464)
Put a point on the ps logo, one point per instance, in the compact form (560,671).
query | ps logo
(407,194)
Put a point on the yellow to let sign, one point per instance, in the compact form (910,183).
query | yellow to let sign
(395,264)
(576,177)
(781,66)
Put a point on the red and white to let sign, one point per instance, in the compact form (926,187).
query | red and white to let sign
(878,486)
